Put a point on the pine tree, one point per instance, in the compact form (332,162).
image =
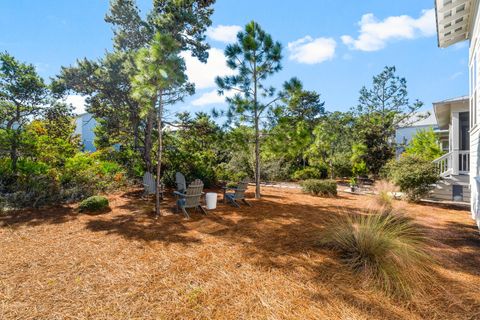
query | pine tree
(160,80)
(255,57)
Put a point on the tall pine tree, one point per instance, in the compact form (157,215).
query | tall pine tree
(254,57)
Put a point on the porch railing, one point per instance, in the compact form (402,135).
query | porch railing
(464,161)
(455,162)
(443,164)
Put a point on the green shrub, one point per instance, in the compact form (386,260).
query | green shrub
(413,175)
(306,173)
(94,204)
(224,173)
(84,175)
(388,250)
(320,187)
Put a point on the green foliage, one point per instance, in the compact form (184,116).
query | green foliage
(291,125)
(84,175)
(413,175)
(425,145)
(359,166)
(224,173)
(310,173)
(332,144)
(353,181)
(320,187)
(387,249)
(254,57)
(108,81)
(94,204)
(196,149)
(379,112)
(23,95)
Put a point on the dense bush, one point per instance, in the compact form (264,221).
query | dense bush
(309,173)
(84,175)
(413,175)
(223,172)
(389,250)
(94,204)
(320,187)
(36,183)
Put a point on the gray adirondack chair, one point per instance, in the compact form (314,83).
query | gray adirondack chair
(180,182)
(149,184)
(238,193)
(190,198)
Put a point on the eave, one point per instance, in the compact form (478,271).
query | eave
(454,20)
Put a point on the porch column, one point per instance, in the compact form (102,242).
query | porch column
(455,141)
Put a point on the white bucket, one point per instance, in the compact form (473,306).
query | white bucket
(211,199)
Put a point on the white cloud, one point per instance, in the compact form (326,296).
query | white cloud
(311,51)
(77,101)
(211,97)
(374,34)
(203,74)
(456,75)
(223,33)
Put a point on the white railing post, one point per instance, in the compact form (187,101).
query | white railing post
(455,142)
(444,164)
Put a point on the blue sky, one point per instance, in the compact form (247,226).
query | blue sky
(334,47)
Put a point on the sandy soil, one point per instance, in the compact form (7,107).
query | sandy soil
(262,262)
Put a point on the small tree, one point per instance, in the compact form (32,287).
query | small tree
(425,145)
(160,81)
(332,144)
(255,56)
(379,112)
(292,122)
(23,95)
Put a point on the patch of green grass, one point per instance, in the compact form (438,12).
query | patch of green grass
(94,204)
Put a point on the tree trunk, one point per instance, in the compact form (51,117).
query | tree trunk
(257,133)
(257,160)
(135,126)
(147,153)
(159,155)
(14,152)
(332,173)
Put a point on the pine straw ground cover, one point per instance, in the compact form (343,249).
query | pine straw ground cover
(249,263)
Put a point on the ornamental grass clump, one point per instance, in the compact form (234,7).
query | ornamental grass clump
(386,249)
(320,187)
(384,195)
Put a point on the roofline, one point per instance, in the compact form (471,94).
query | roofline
(419,125)
(452,100)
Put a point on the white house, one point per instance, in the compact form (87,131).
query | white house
(420,121)
(458,20)
(452,116)
(84,126)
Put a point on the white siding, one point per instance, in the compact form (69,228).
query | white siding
(475,175)
(475,115)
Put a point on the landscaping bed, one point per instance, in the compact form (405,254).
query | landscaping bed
(263,262)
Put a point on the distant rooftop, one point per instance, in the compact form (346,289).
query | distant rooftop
(421,118)
(453,100)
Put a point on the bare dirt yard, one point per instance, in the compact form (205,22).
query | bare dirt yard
(262,262)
